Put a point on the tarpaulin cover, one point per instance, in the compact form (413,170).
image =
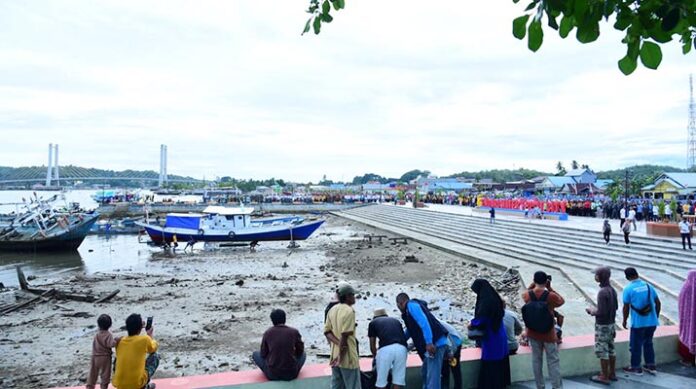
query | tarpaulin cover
(191,222)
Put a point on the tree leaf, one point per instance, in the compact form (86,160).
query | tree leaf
(531,6)
(671,20)
(317,25)
(339,4)
(588,32)
(627,65)
(567,24)
(650,55)
(552,21)
(686,46)
(536,35)
(519,27)
(581,7)
(307,26)
(326,7)
(326,18)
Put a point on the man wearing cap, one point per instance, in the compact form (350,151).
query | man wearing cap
(339,330)
(392,351)
(429,337)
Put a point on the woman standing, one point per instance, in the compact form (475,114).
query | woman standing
(687,320)
(488,316)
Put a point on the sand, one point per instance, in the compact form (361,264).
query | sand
(210,308)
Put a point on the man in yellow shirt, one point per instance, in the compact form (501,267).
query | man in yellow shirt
(136,357)
(340,332)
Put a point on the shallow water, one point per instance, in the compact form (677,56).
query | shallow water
(97,253)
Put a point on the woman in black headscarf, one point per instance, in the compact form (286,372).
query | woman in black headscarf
(488,316)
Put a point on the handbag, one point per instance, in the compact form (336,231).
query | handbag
(645,311)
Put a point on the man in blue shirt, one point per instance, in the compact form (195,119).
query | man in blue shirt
(643,304)
(429,337)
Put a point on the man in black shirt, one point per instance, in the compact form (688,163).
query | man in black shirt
(282,351)
(392,351)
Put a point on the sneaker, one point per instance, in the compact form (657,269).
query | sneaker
(650,369)
(633,370)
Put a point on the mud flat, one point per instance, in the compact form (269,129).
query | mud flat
(210,308)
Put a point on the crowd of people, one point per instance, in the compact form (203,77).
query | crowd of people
(496,330)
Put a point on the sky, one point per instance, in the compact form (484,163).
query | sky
(233,89)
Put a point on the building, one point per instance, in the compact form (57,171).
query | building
(671,185)
(435,185)
(555,183)
(582,176)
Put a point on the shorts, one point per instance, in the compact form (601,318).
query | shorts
(604,340)
(392,357)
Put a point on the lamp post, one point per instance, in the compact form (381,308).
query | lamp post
(626,189)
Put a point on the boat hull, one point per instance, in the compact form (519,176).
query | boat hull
(270,233)
(68,241)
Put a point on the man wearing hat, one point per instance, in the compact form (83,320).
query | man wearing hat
(392,352)
(339,330)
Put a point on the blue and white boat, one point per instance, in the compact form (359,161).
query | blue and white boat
(222,224)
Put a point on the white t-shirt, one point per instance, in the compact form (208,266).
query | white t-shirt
(631,215)
(684,227)
(622,213)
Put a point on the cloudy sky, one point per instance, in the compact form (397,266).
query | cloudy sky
(233,89)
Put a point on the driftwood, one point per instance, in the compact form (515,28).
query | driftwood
(108,296)
(59,294)
(31,301)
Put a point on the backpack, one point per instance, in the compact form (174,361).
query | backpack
(536,314)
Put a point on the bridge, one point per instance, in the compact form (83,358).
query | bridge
(53,176)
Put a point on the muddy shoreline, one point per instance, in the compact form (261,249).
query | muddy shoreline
(211,308)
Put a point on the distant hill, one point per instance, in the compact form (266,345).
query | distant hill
(643,173)
(503,175)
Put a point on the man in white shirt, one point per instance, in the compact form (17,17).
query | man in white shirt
(632,218)
(685,231)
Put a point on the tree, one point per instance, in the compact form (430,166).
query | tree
(647,24)
(413,174)
(574,164)
(560,170)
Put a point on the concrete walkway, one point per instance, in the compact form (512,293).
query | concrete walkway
(671,376)
(576,222)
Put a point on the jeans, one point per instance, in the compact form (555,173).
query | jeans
(345,378)
(686,238)
(456,371)
(263,366)
(642,343)
(607,236)
(151,365)
(432,366)
(553,362)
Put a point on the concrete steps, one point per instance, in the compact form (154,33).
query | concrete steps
(573,252)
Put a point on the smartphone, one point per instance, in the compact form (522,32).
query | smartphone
(148,325)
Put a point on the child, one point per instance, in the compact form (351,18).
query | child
(100,364)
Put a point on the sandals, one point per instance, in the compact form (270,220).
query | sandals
(600,379)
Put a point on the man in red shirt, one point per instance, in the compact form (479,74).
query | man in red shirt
(538,299)
(282,351)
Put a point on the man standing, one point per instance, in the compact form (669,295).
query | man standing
(392,352)
(632,218)
(492,212)
(605,330)
(622,216)
(685,231)
(643,304)
(429,337)
(136,357)
(626,229)
(540,302)
(282,351)
(339,330)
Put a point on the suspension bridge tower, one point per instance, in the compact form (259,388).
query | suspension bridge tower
(53,171)
(691,145)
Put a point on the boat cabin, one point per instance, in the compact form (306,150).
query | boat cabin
(212,218)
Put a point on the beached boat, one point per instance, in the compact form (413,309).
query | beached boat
(221,224)
(43,227)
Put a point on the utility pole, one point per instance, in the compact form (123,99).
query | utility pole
(626,189)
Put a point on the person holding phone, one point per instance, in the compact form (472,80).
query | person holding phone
(136,356)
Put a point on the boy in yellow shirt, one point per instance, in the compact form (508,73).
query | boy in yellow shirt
(136,357)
